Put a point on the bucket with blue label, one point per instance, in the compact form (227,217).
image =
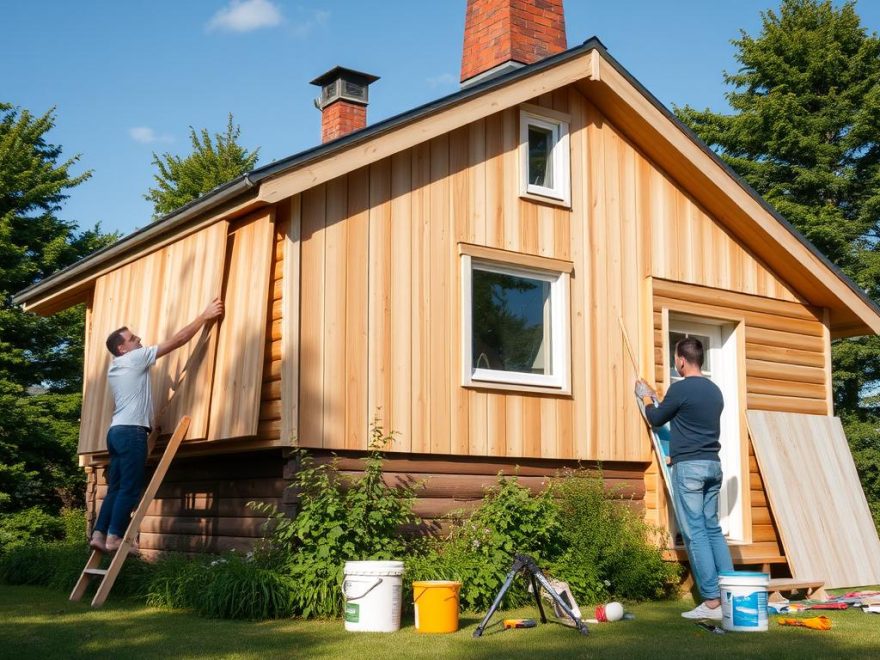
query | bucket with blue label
(743,600)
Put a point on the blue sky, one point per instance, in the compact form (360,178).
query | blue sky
(128,78)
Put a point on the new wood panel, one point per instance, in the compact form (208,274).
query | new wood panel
(235,400)
(814,491)
(404,274)
(155,296)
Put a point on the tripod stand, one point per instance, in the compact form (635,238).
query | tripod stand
(525,564)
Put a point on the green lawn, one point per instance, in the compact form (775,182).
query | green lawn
(38,623)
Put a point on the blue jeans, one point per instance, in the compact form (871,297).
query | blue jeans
(128,454)
(695,487)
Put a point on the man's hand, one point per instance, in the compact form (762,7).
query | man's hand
(182,336)
(643,390)
(213,310)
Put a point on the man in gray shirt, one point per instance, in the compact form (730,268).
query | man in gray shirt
(129,379)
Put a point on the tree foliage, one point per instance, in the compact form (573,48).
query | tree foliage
(38,432)
(212,162)
(805,133)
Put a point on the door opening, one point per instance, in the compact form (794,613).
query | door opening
(720,366)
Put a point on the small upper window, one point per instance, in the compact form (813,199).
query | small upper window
(544,157)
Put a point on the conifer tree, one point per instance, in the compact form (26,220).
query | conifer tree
(804,131)
(212,162)
(40,357)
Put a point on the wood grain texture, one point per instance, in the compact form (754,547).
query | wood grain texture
(238,375)
(815,494)
(155,296)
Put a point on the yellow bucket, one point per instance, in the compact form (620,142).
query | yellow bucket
(436,604)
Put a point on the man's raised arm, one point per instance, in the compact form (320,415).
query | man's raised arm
(179,338)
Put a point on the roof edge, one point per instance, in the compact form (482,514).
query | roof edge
(193,209)
(741,182)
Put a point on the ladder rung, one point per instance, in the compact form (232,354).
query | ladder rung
(95,571)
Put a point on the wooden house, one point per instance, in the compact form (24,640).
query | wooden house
(459,273)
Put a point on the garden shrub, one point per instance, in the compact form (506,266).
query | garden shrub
(338,519)
(176,581)
(574,529)
(243,587)
(28,526)
(607,549)
(480,548)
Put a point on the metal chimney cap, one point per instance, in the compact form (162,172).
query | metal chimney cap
(341,72)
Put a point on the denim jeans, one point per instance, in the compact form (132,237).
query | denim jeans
(695,487)
(128,454)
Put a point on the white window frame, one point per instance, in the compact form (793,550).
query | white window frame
(559,380)
(559,153)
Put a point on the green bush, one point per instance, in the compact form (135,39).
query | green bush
(232,586)
(574,529)
(607,549)
(480,549)
(338,519)
(28,526)
(244,588)
(176,581)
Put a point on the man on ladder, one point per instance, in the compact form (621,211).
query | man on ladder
(129,378)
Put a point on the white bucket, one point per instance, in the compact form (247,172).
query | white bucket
(743,600)
(372,595)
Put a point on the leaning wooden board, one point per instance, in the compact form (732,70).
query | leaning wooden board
(817,500)
(660,440)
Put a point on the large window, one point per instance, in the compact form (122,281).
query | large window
(515,324)
(544,157)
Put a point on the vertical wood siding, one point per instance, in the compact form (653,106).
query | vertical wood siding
(155,296)
(235,400)
(380,277)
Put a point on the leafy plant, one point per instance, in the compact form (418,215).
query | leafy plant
(574,529)
(237,587)
(338,519)
(606,548)
(480,548)
(28,526)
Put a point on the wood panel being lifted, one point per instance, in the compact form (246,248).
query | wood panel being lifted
(814,491)
(238,372)
(155,296)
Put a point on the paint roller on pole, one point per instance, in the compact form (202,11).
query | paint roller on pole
(659,436)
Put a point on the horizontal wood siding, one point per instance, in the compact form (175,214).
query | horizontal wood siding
(785,345)
(270,393)
(785,371)
(201,505)
(445,485)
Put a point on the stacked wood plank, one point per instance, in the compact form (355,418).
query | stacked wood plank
(826,526)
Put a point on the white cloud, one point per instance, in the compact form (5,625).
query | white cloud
(316,18)
(146,135)
(245,16)
(443,80)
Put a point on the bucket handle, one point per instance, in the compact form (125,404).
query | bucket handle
(346,583)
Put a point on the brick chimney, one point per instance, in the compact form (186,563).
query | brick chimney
(343,101)
(500,35)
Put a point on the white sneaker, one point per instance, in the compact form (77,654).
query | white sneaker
(703,611)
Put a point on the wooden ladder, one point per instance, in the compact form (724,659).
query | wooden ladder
(108,575)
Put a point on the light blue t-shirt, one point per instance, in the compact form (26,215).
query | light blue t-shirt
(129,378)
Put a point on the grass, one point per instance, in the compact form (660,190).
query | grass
(39,623)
